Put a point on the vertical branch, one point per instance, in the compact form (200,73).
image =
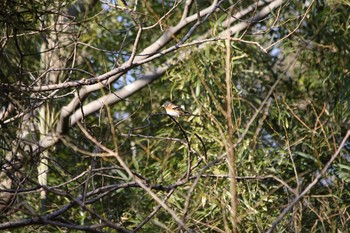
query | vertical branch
(112,126)
(230,144)
(43,164)
(54,56)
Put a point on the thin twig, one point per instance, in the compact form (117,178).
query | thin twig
(135,178)
(188,145)
(134,50)
(311,185)
(295,29)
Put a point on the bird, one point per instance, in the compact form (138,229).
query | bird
(174,110)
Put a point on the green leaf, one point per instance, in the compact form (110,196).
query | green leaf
(307,156)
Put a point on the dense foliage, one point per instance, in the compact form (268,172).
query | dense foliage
(85,145)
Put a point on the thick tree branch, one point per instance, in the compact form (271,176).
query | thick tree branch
(70,111)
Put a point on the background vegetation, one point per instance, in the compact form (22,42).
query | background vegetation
(85,145)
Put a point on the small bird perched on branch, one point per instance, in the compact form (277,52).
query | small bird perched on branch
(174,110)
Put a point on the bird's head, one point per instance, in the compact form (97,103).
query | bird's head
(166,104)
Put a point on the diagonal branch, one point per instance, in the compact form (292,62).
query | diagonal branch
(70,115)
(135,178)
(311,185)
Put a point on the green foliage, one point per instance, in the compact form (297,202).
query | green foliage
(296,131)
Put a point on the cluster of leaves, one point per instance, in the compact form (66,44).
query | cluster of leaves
(298,128)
